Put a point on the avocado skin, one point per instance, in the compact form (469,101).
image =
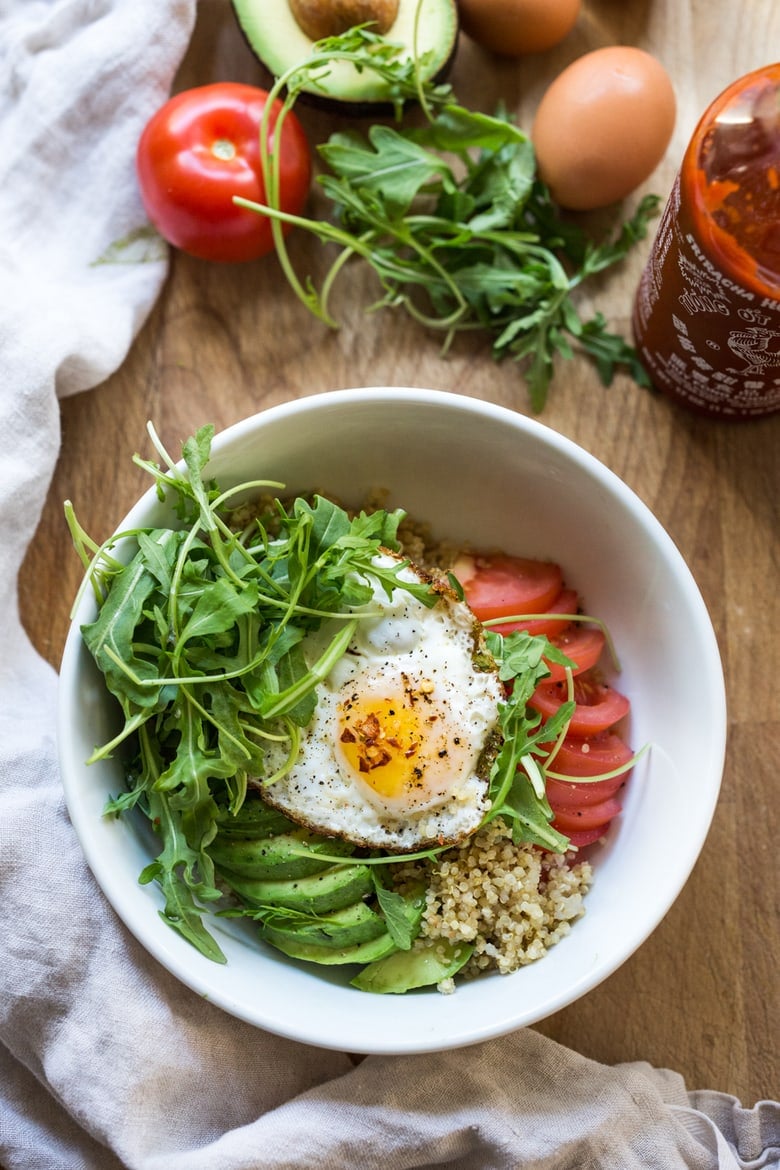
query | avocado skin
(424,965)
(345,105)
(273,858)
(319,893)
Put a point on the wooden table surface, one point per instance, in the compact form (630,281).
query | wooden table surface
(701,996)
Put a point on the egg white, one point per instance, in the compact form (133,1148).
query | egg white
(394,756)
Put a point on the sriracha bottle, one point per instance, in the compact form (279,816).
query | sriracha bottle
(707,311)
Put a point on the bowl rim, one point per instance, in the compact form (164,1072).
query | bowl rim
(331,1033)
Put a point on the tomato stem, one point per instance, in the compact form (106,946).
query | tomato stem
(224,149)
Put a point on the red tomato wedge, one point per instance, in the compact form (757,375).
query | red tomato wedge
(566,603)
(563,794)
(500,586)
(583,810)
(598,705)
(584,837)
(590,757)
(591,816)
(582,644)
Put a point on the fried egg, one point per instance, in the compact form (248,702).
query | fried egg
(397,753)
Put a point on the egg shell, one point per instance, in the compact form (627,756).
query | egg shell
(603,126)
(515,27)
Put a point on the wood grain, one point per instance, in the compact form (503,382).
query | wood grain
(701,995)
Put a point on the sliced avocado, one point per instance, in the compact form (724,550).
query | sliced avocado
(333,888)
(274,858)
(294,944)
(254,819)
(279,43)
(353,924)
(367,952)
(425,964)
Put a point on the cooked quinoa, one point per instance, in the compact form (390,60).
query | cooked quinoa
(513,902)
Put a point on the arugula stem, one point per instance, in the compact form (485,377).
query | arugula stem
(637,756)
(287,699)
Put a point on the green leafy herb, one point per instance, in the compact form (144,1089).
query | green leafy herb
(199,638)
(454,221)
(394,909)
(517,791)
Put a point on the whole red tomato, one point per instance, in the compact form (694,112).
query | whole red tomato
(202,148)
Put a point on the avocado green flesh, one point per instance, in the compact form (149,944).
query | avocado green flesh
(295,943)
(254,820)
(422,966)
(353,924)
(273,858)
(319,893)
(368,952)
(277,40)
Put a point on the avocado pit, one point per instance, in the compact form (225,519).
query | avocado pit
(283,35)
(330,18)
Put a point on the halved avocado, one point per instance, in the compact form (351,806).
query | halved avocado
(279,42)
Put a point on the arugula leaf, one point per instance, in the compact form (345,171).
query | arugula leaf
(387,165)
(218,605)
(481,246)
(394,908)
(175,872)
(110,638)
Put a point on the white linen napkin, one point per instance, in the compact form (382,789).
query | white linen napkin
(107,1061)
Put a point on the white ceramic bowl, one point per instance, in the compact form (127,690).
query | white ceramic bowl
(481,473)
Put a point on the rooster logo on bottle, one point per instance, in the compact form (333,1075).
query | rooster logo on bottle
(752,346)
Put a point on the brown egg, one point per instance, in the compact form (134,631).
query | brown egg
(603,126)
(514,27)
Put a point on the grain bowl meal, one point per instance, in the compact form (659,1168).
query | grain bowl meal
(384,752)
(476,480)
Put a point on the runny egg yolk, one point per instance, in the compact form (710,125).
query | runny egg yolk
(401,746)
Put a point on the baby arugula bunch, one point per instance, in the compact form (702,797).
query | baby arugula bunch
(454,221)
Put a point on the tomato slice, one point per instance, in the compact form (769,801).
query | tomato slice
(499,586)
(582,644)
(598,705)
(591,816)
(584,837)
(567,602)
(589,757)
(564,794)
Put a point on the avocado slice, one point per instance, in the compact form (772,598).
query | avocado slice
(254,819)
(278,41)
(295,944)
(319,893)
(425,964)
(367,952)
(357,923)
(274,858)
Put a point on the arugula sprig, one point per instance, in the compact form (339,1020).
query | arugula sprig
(454,221)
(517,780)
(199,638)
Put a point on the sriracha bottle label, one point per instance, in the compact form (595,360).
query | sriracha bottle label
(707,311)
(704,337)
